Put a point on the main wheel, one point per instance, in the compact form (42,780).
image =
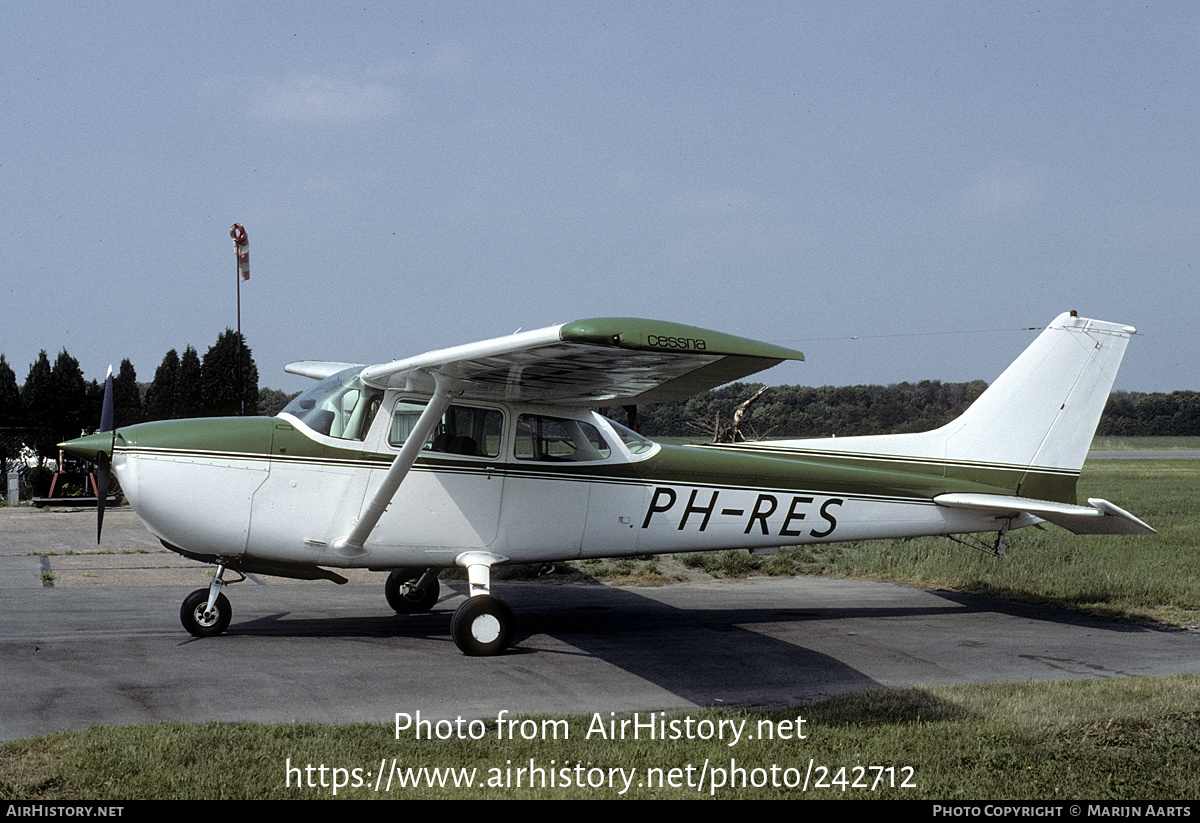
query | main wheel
(482,626)
(191,614)
(404,596)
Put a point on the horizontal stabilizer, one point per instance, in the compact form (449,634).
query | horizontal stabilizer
(1101,517)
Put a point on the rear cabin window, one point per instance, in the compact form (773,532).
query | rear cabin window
(557,439)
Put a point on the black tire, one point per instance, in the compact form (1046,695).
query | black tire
(191,614)
(404,597)
(482,626)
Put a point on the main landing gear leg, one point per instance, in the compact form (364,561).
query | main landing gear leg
(206,612)
(482,626)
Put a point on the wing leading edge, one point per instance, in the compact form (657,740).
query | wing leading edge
(589,362)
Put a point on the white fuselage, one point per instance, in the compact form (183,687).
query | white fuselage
(287,508)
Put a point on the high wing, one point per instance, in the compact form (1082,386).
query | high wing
(588,362)
(592,362)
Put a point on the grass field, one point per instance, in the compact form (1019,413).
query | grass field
(1111,738)
(1149,443)
(1152,577)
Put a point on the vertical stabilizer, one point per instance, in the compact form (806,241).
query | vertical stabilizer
(1043,410)
(1030,431)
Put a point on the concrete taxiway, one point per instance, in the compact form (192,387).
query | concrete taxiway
(103,644)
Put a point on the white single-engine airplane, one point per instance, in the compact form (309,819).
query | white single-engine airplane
(493,453)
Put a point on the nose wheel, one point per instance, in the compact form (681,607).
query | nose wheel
(199,619)
(206,612)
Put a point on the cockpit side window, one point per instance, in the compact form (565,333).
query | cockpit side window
(465,430)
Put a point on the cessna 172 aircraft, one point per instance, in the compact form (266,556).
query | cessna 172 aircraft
(494,453)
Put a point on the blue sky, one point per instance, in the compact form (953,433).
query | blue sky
(897,189)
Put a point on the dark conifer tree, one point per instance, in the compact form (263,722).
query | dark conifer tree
(189,389)
(127,399)
(11,437)
(36,402)
(10,396)
(70,411)
(221,376)
(161,397)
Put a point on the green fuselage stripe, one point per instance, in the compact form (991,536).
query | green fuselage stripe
(869,476)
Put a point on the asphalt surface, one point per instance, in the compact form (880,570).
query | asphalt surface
(104,644)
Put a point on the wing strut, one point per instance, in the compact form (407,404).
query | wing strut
(445,390)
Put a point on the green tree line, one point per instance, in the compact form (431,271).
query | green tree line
(1138,414)
(56,403)
(845,411)
(812,411)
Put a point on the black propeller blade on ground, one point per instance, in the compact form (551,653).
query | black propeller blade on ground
(103,460)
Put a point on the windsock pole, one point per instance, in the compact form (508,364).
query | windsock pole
(241,250)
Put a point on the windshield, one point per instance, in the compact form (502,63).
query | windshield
(339,406)
(632,440)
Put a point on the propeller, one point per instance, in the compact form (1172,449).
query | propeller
(103,461)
